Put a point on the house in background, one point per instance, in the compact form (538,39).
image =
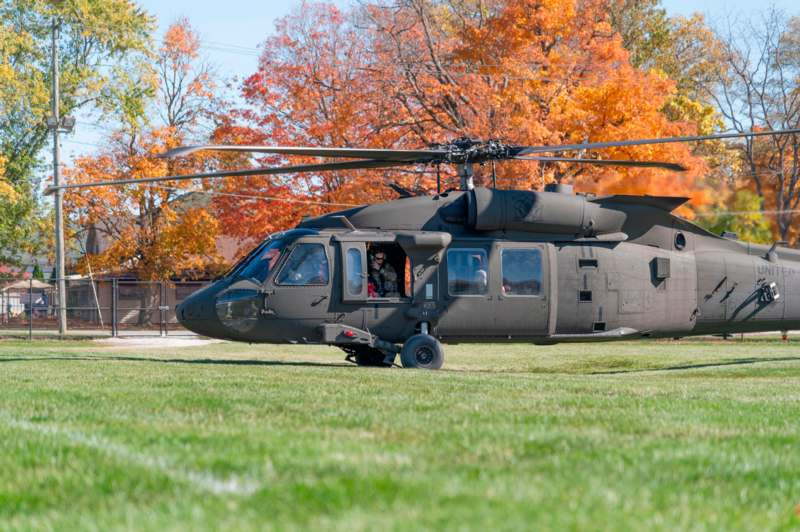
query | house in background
(102,298)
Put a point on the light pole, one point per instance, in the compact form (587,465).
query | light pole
(57,124)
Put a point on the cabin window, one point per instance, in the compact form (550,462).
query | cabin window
(355,273)
(307,265)
(467,272)
(388,271)
(680,241)
(522,272)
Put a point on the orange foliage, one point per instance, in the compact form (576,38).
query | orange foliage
(420,71)
(154,231)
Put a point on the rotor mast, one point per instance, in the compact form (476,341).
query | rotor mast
(466,173)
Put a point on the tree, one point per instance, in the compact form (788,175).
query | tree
(8,204)
(742,215)
(686,50)
(37,273)
(759,89)
(311,89)
(18,222)
(6,189)
(155,231)
(412,72)
(102,46)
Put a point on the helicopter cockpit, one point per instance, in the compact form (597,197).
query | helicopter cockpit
(234,303)
(257,265)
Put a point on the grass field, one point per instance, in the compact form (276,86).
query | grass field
(695,435)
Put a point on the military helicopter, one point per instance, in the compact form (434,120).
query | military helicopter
(489,265)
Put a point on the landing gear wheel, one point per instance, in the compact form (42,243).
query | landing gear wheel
(370,357)
(422,351)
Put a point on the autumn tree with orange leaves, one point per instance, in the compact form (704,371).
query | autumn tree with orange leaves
(153,231)
(407,73)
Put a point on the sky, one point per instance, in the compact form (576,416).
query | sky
(231,31)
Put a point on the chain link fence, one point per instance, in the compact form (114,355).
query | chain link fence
(105,307)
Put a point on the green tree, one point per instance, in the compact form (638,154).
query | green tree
(103,47)
(686,50)
(37,274)
(742,215)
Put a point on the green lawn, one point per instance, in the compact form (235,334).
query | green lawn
(695,435)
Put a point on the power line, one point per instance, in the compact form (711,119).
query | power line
(97,126)
(83,143)
(745,213)
(230,45)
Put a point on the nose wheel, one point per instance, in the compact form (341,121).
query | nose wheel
(422,351)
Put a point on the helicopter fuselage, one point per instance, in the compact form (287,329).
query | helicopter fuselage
(492,266)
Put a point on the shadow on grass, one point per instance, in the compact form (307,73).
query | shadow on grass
(288,363)
(202,361)
(683,367)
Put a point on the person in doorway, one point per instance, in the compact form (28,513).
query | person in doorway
(382,276)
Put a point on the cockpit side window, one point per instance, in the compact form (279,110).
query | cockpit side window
(262,262)
(307,265)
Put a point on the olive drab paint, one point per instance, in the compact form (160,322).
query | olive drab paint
(584,269)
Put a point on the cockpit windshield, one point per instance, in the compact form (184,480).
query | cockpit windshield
(258,264)
(261,262)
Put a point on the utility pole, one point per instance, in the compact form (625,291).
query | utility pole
(56,124)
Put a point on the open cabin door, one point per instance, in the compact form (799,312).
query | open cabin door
(354,272)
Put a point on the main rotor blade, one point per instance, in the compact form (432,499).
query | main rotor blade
(322,167)
(640,142)
(355,153)
(607,162)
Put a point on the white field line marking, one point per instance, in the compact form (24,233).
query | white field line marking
(201,480)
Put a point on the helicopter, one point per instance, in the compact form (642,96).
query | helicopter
(482,264)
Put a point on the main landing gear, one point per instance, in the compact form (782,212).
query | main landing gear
(422,351)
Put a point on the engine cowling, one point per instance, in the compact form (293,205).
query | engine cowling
(542,212)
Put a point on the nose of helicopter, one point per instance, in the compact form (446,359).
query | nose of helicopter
(197,313)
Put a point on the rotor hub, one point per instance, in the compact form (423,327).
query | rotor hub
(467,151)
